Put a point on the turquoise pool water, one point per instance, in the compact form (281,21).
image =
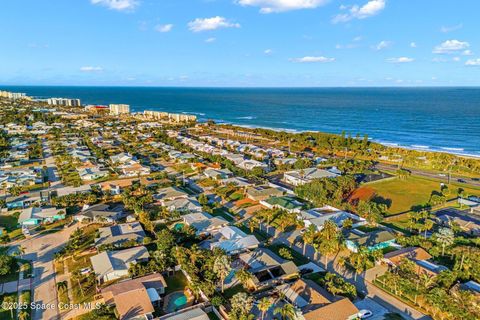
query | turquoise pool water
(177,301)
(178,226)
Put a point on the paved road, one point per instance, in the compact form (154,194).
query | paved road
(41,250)
(361,281)
(431,175)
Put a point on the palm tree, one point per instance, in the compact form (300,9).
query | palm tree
(252,224)
(221,267)
(446,237)
(62,286)
(309,236)
(244,277)
(9,301)
(263,305)
(287,311)
(23,315)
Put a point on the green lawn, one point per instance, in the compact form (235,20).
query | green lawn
(176,282)
(230,292)
(9,221)
(413,191)
(298,258)
(12,276)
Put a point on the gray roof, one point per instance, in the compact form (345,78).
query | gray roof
(120,233)
(109,261)
(193,314)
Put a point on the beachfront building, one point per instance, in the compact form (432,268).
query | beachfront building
(118,109)
(66,102)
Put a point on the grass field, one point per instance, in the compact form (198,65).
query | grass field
(402,195)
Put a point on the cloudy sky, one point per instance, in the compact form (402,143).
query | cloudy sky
(240,42)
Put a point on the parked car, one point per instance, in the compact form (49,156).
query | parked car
(461,181)
(364,314)
(85,271)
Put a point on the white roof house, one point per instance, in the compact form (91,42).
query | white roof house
(112,265)
(204,222)
(303,176)
(233,240)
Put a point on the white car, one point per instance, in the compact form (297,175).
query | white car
(364,314)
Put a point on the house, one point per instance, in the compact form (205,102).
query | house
(135,298)
(116,187)
(373,241)
(92,173)
(65,191)
(204,223)
(35,216)
(315,303)
(469,224)
(319,216)
(267,268)
(113,265)
(252,164)
(23,200)
(120,234)
(418,256)
(259,193)
(188,314)
(232,240)
(303,176)
(218,174)
(285,203)
(101,213)
(169,194)
(236,181)
(183,205)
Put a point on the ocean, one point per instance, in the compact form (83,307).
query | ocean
(437,119)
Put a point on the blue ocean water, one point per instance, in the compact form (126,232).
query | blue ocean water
(441,119)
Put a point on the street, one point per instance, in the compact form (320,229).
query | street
(41,250)
(361,281)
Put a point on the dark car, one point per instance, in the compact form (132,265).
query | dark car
(461,181)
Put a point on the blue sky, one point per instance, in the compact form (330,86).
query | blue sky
(240,42)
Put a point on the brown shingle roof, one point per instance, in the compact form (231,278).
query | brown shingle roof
(341,310)
(411,253)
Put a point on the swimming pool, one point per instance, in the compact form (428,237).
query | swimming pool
(176,300)
(178,226)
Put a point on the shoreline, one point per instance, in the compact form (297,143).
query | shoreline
(420,148)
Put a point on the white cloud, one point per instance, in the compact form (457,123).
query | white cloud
(213,23)
(119,5)
(456,59)
(358,38)
(164,27)
(310,59)
(413,44)
(400,60)
(382,45)
(467,53)
(446,29)
(270,6)
(91,69)
(210,40)
(451,46)
(268,51)
(473,62)
(371,8)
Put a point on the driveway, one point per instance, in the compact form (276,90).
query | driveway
(41,249)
